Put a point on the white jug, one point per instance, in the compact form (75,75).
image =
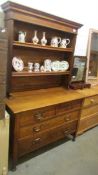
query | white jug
(55,41)
(64,42)
(21,36)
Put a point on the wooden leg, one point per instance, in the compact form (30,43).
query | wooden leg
(74,137)
(13,162)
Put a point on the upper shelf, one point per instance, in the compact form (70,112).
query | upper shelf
(38,46)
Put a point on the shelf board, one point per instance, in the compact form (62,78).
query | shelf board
(34,74)
(38,46)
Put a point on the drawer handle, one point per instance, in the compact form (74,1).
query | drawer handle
(67,118)
(39,116)
(37,140)
(92,100)
(35,129)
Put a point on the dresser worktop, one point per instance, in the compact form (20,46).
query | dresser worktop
(23,101)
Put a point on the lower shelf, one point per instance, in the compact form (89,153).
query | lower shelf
(25,73)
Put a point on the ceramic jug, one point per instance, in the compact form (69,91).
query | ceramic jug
(64,42)
(21,36)
(55,41)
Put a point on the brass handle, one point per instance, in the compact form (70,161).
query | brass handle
(37,140)
(36,129)
(67,118)
(92,100)
(38,116)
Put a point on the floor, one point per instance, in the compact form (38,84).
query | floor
(68,158)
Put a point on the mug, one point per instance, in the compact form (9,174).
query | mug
(30,66)
(55,41)
(64,42)
(21,36)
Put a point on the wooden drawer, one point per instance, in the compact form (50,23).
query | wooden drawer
(60,120)
(33,143)
(87,123)
(89,111)
(62,108)
(90,101)
(35,116)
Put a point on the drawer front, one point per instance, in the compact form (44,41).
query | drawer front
(89,111)
(60,120)
(35,116)
(62,108)
(87,123)
(33,143)
(90,101)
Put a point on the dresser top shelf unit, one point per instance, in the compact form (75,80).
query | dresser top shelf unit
(20,18)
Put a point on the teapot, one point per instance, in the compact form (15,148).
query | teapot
(21,36)
(55,41)
(64,42)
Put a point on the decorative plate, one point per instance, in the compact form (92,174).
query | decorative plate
(17,64)
(55,65)
(64,65)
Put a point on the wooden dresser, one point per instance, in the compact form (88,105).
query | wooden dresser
(41,107)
